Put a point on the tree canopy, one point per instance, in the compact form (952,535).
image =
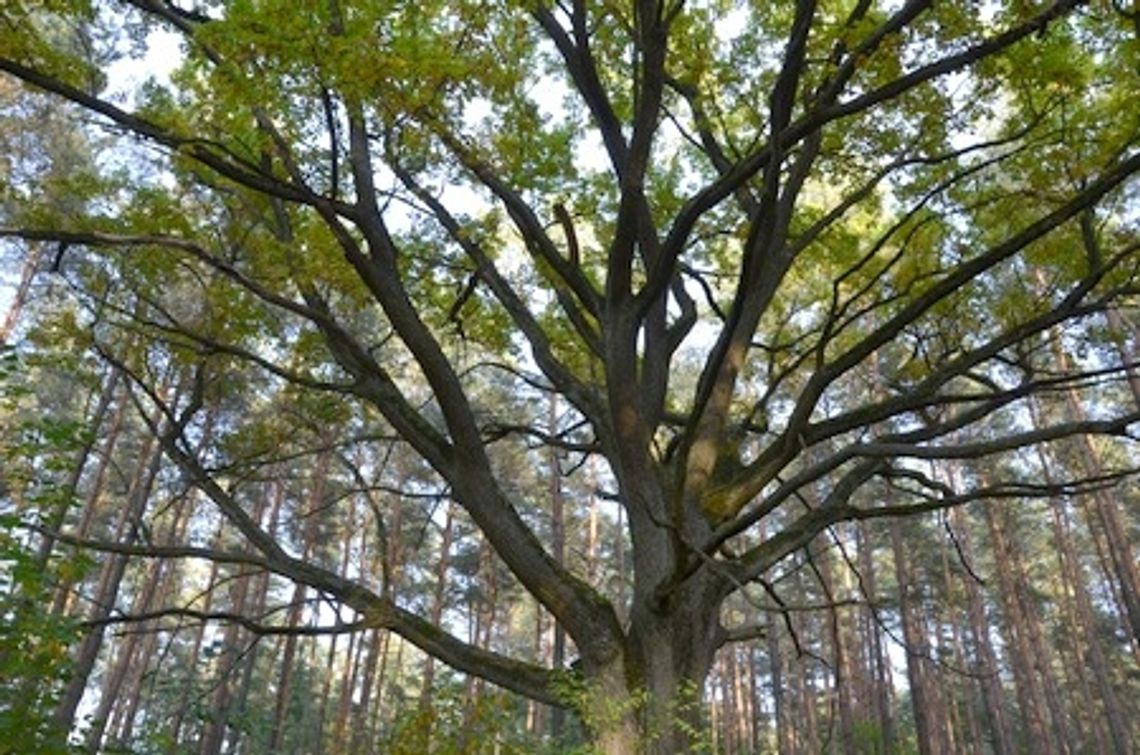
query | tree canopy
(755,267)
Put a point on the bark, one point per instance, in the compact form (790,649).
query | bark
(361,719)
(1030,696)
(235,649)
(1128,351)
(881,681)
(923,679)
(989,679)
(1042,654)
(71,488)
(354,659)
(785,732)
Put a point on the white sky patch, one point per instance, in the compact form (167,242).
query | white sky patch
(163,55)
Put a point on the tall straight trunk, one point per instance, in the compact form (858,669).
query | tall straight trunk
(757,719)
(94,422)
(989,675)
(785,733)
(56,517)
(92,500)
(243,601)
(352,671)
(110,579)
(178,723)
(722,711)
(924,702)
(1030,695)
(808,698)
(802,684)
(218,716)
(1123,561)
(535,713)
(558,551)
(248,666)
(486,617)
(972,728)
(1041,652)
(964,732)
(360,725)
(257,604)
(439,599)
(322,704)
(882,684)
(840,659)
(1084,643)
(331,658)
(354,659)
(288,646)
(125,726)
(742,702)
(129,655)
(20,295)
(1083,624)
(393,563)
(1129,352)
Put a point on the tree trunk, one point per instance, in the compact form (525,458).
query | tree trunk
(131,651)
(785,737)
(177,724)
(243,603)
(110,579)
(841,665)
(882,683)
(930,733)
(989,678)
(1030,696)
(94,422)
(20,295)
(314,501)
(1084,625)
(1123,561)
(558,551)
(439,599)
